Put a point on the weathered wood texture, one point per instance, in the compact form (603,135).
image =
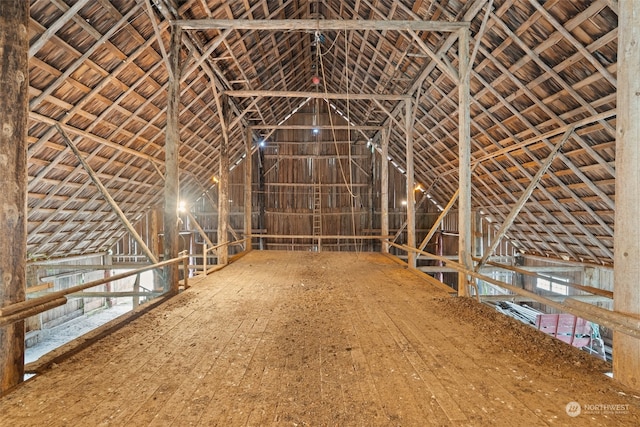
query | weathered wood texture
(325,24)
(14,44)
(316,162)
(320,339)
(105,193)
(97,70)
(464,160)
(411,182)
(172,163)
(248,187)
(626,352)
(223,184)
(384,188)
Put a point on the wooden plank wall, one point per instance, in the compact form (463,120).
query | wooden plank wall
(297,162)
(63,279)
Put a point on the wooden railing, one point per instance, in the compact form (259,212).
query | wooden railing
(24,309)
(620,322)
(205,251)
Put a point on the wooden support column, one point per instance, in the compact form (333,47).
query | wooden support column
(248,198)
(262,199)
(626,349)
(172,161)
(464,153)
(476,234)
(223,185)
(384,188)
(14,71)
(154,232)
(411,187)
(107,261)
(154,244)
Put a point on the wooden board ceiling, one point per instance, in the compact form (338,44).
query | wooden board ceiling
(97,71)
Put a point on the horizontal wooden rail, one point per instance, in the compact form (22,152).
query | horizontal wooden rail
(620,322)
(233,243)
(22,310)
(21,315)
(116,294)
(558,298)
(39,288)
(318,24)
(590,289)
(311,127)
(54,261)
(118,266)
(315,95)
(310,236)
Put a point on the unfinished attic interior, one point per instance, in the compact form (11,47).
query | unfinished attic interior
(296,212)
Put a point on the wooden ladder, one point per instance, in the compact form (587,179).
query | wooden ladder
(317,215)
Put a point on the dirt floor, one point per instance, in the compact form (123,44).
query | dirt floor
(295,339)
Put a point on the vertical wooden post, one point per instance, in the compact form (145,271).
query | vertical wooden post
(411,190)
(248,199)
(185,269)
(107,259)
(384,188)
(154,245)
(153,237)
(626,349)
(464,153)
(136,289)
(262,199)
(14,44)
(33,323)
(205,251)
(223,188)
(172,160)
(476,233)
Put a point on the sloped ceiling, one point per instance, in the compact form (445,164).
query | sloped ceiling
(97,72)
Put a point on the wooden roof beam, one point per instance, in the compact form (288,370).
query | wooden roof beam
(320,127)
(318,24)
(314,95)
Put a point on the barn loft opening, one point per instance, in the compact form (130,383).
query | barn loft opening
(320,212)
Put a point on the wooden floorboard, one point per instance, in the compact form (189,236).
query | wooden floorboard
(299,338)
